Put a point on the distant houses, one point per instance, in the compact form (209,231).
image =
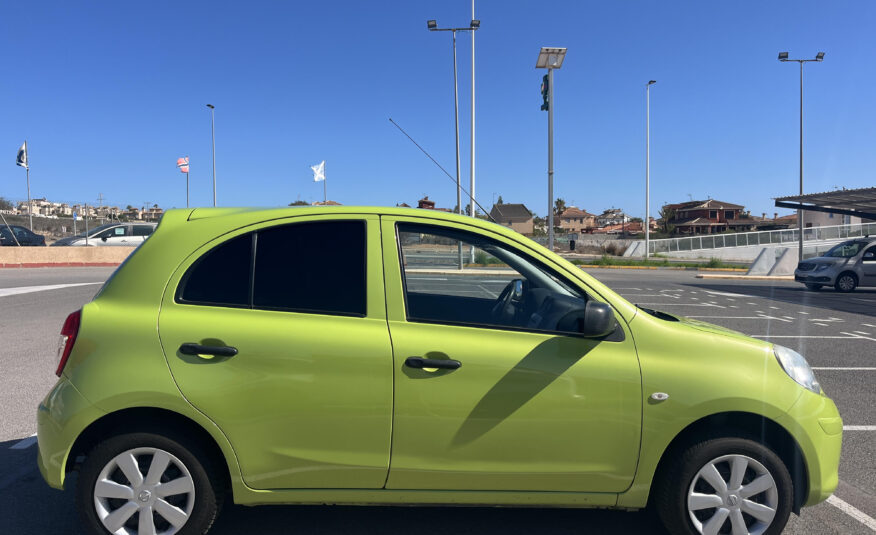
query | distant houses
(514,216)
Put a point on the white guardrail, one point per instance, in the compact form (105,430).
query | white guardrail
(764,237)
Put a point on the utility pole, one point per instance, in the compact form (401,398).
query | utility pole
(99,205)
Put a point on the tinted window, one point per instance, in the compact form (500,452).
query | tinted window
(312,267)
(143,230)
(221,276)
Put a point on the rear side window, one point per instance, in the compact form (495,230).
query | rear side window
(312,267)
(221,276)
(143,230)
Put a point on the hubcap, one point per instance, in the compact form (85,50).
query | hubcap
(846,282)
(735,490)
(144,491)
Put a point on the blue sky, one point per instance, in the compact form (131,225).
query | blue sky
(109,95)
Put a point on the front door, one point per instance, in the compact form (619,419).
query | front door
(529,408)
(868,266)
(278,334)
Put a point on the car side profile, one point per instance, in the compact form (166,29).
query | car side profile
(16,235)
(845,266)
(118,234)
(345,355)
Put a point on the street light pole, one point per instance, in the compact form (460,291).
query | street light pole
(471,190)
(647,224)
(474,25)
(213,137)
(783,56)
(550,59)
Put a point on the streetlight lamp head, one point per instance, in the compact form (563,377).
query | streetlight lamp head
(783,56)
(475,23)
(819,56)
(432,24)
(652,82)
(210,106)
(550,58)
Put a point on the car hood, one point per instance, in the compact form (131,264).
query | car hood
(67,241)
(825,260)
(698,325)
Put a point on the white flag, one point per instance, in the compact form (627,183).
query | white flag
(22,156)
(318,171)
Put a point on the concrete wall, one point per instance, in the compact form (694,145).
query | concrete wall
(63,256)
(742,254)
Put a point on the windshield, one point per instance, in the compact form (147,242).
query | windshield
(846,249)
(95,230)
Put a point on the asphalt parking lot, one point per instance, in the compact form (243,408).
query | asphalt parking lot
(836,332)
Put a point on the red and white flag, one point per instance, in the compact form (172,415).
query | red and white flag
(183,164)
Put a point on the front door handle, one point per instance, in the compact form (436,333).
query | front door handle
(197,349)
(420,362)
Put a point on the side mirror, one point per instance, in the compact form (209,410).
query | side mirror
(595,320)
(103,238)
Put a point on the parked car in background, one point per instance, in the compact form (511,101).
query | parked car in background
(125,234)
(23,235)
(242,354)
(846,266)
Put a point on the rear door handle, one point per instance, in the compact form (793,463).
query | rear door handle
(420,362)
(197,349)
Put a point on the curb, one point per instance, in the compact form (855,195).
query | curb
(671,268)
(747,277)
(59,264)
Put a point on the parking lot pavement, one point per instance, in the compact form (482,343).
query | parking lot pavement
(836,332)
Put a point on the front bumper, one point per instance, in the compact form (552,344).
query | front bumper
(816,425)
(813,277)
(61,418)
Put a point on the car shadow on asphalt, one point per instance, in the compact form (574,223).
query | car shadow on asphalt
(368,520)
(861,301)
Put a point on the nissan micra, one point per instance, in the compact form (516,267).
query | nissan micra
(342,355)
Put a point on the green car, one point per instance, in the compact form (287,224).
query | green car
(343,355)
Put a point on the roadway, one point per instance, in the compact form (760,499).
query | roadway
(836,332)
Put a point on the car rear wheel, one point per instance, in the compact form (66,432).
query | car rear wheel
(813,287)
(725,485)
(147,484)
(846,282)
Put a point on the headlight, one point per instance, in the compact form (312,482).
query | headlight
(797,368)
(822,267)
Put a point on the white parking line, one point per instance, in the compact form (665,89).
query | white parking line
(852,511)
(859,428)
(24,444)
(798,336)
(4,292)
(868,325)
(861,332)
(801,312)
(821,324)
(845,368)
(858,336)
(684,304)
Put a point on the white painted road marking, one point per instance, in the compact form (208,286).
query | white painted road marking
(852,511)
(858,336)
(859,428)
(30,289)
(845,368)
(24,444)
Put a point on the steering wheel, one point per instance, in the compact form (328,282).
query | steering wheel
(505,309)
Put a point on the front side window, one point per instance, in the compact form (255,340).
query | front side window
(497,287)
(870,254)
(846,249)
(314,267)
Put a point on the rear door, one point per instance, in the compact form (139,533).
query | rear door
(305,399)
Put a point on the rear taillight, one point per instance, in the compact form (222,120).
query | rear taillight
(68,338)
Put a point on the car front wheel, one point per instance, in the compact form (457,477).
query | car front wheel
(146,484)
(725,485)
(846,282)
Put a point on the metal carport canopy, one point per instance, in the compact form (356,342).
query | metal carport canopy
(858,202)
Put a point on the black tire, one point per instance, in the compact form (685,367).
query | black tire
(207,484)
(675,480)
(846,282)
(812,286)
